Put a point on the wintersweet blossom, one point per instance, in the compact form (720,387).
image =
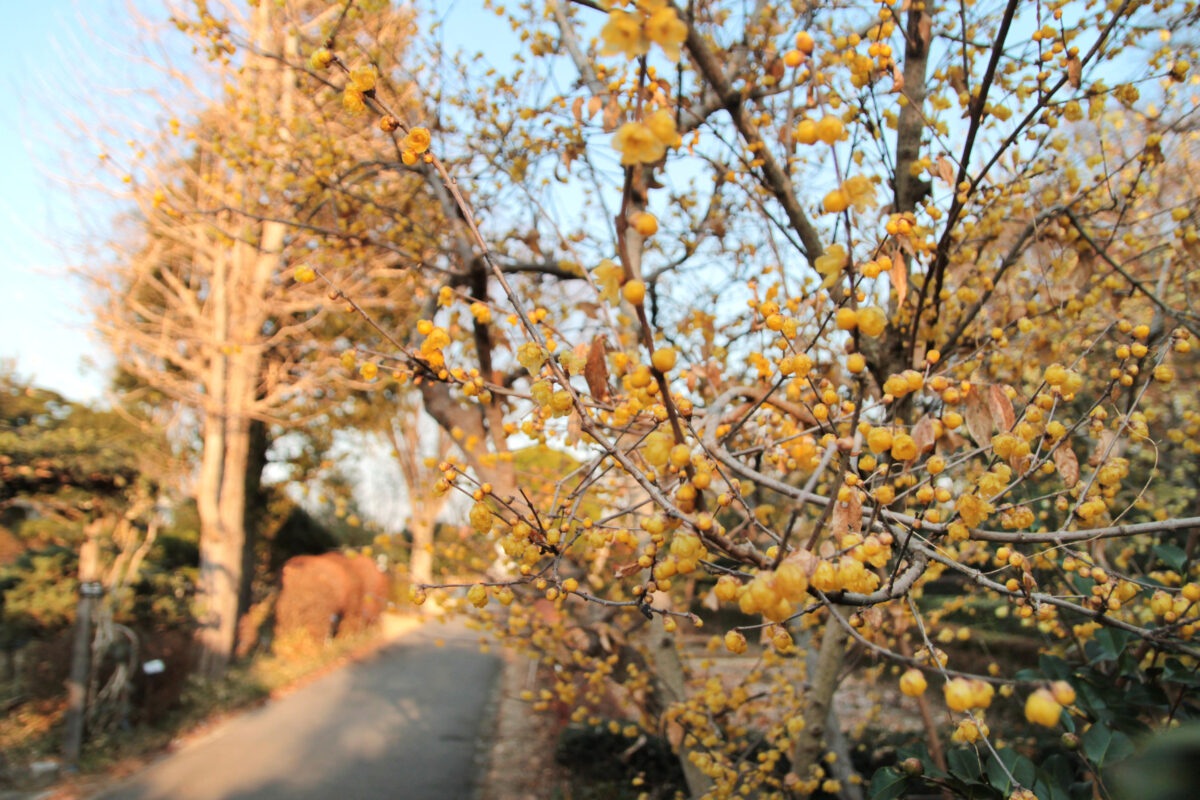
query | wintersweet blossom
(662,124)
(637,144)
(666,29)
(623,34)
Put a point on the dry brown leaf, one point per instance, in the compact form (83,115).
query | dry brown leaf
(1075,71)
(950,442)
(625,570)
(1102,445)
(946,171)
(1001,407)
(923,434)
(674,734)
(899,275)
(1067,464)
(978,417)
(595,371)
(577,110)
(612,114)
(897,79)
(593,106)
(847,516)
(874,617)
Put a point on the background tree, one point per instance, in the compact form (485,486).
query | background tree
(202,303)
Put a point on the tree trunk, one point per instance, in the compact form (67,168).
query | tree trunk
(670,687)
(81,647)
(420,564)
(814,741)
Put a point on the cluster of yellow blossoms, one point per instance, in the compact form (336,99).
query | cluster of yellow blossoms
(651,21)
(646,142)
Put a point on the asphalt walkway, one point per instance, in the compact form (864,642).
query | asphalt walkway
(406,724)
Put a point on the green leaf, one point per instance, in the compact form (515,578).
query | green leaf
(1054,668)
(1016,764)
(887,783)
(1176,672)
(1102,745)
(964,763)
(1174,557)
(1107,645)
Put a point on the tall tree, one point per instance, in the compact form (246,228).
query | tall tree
(233,211)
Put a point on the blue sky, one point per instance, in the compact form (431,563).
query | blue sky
(56,53)
(42,325)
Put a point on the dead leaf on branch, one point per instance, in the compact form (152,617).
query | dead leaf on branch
(625,570)
(923,434)
(612,114)
(899,276)
(595,371)
(946,171)
(1001,407)
(847,516)
(1067,464)
(978,417)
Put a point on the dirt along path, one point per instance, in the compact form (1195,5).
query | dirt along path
(407,723)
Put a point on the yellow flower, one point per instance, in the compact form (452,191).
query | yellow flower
(417,140)
(912,683)
(353,102)
(871,320)
(320,59)
(668,31)
(860,192)
(830,264)
(362,79)
(1042,709)
(959,694)
(608,277)
(638,144)
(662,124)
(623,34)
(973,509)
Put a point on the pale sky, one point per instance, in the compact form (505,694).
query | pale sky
(41,322)
(55,49)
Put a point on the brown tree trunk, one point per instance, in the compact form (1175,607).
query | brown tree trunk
(420,564)
(81,647)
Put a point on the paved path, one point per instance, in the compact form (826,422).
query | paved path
(404,725)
